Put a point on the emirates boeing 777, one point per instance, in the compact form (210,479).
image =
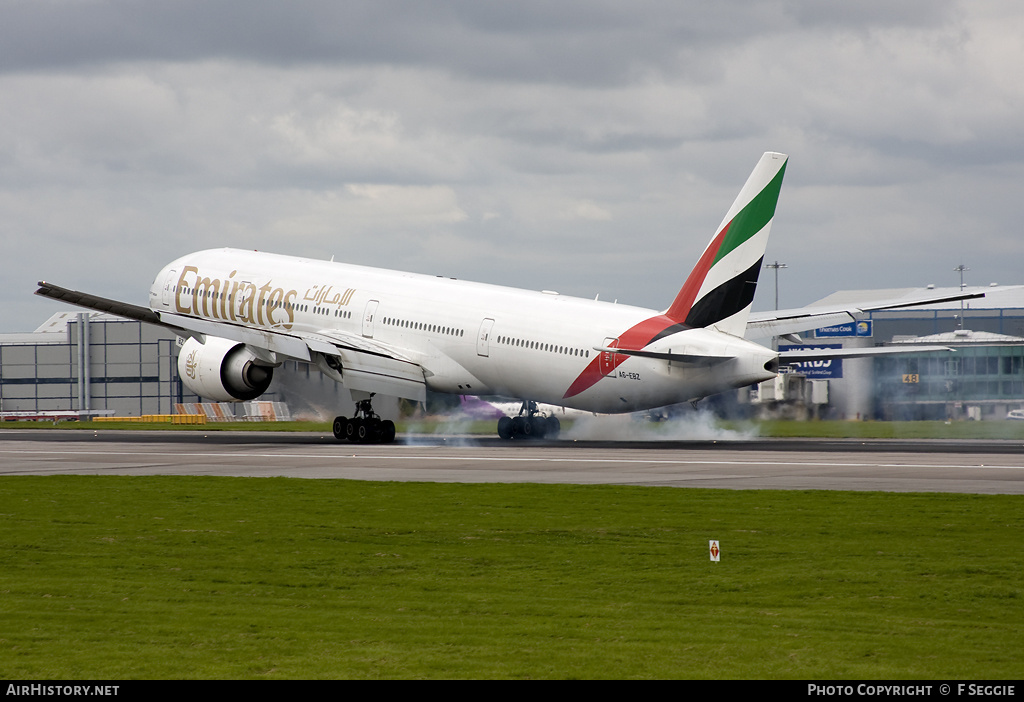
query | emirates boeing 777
(243,313)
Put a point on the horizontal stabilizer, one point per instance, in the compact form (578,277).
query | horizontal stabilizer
(922,301)
(799,355)
(795,323)
(780,322)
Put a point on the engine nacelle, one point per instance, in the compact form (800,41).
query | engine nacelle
(222,370)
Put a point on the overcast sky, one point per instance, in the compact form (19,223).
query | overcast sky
(580,146)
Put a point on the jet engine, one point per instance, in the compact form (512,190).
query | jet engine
(222,370)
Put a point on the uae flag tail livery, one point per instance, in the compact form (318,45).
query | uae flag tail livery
(706,321)
(720,289)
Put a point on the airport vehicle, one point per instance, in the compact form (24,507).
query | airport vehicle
(242,313)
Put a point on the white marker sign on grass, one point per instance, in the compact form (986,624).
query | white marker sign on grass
(713,549)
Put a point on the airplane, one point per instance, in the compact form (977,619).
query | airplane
(242,313)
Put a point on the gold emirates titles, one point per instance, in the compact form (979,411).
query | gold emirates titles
(243,301)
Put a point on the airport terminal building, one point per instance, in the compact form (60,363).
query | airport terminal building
(93,364)
(90,363)
(981,378)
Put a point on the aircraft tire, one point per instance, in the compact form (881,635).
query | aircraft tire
(387,431)
(553,428)
(527,427)
(368,431)
(352,429)
(517,426)
(340,428)
(538,427)
(505,427)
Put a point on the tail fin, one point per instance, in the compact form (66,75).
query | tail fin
(721,286)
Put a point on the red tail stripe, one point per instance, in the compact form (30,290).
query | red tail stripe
(688,293)
(636,337)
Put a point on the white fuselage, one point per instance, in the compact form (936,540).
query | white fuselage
(470,338)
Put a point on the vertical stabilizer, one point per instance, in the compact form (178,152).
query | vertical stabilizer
(720,289)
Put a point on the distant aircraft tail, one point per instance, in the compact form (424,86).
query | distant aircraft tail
(720,289)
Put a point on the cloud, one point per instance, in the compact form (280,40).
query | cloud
(583,146)
(585,209)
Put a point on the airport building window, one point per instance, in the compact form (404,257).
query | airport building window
(926,386)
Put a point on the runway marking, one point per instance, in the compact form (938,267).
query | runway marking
(501,459)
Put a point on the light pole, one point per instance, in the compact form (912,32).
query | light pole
(776,266)
(960,269)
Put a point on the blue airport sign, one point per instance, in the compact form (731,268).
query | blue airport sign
(826,369)
(861,328)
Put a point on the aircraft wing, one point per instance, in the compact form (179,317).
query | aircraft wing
(100,304)
(368,365)
(782,322)
(356,362)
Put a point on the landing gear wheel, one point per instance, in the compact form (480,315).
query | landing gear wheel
(365,432)
(340,428)
(365,428)
(553,428)
(543,428)
(505,427)
(517,426)
(528,424)
(528,427)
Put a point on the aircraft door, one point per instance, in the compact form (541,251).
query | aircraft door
(607,360)
(368,314)
(168,288)
(483,339)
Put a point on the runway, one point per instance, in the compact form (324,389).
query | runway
(983,467)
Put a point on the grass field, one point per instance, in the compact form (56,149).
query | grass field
(120,577)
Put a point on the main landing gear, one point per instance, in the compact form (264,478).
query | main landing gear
(365,428)
(532,425)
